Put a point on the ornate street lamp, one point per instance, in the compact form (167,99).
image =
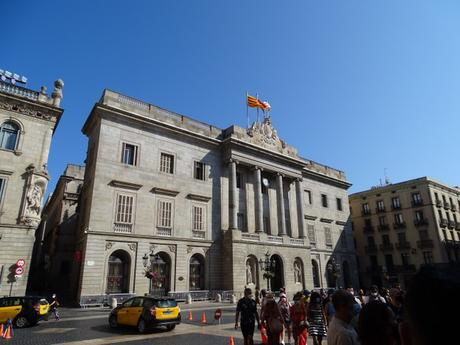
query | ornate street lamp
(334,268)
(268,267)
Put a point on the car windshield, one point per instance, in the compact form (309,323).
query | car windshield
(166,303)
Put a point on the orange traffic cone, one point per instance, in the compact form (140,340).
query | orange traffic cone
(8,333)
(231,341)
(190,317)
(1,329)
(203,318)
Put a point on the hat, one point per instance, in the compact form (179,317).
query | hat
(306,292)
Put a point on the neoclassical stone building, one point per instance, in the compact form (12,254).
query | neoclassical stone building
(28,120)
(195,207)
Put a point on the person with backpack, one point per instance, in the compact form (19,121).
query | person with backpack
(54,307)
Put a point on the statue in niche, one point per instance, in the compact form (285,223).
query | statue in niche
(34,199)
(249,273)
(297,272)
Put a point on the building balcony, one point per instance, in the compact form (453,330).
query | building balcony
(446,205)
(386,247)
(425,244)
(439,203)
(418,202)
(420,222)
(370,249)
(368,229)
(451,224)
(443,223)
(405,268)
(403,245)
(162,231)
(380,210)
(399,225)
(122,227)
(365,212)
(383,227)
(198,234)
(395,207)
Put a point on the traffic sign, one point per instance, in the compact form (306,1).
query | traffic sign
(20,263)
(19,271)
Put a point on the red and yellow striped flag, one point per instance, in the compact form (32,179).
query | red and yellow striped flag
(253,102)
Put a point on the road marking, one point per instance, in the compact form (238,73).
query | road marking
(55,330)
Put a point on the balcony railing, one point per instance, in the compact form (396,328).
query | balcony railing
(425,244)
(418,202)
(420,222)
(18,91)
(386,247)
(365,212)
(446,205)
(380,209)
(198,234)
(368,229)
(451,224)
(439,203)
(164,231)
(443,223)
(395,207)
(383,227)
(122,227)
(370,249)
(399,225)
(403,245)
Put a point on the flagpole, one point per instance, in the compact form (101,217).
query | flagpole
(257,96)
(247,108)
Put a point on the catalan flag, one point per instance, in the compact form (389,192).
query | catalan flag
(253,102)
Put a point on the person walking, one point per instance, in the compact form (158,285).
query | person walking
(247,308)
(377,325)
(316,319)
(340,331)
(374,295)
(299,320)
(329,310)
(54,306)
(284,306)
(273,320)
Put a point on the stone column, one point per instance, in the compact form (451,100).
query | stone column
(281,210)
(258,198)
(300,212)
(233,196)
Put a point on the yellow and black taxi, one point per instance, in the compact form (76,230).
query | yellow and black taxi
(146,313)
(23,310)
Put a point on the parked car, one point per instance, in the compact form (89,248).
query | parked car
(23,310)
(146,313)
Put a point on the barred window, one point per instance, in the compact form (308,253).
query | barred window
(129,154)
(311,233)
(328,236)
(167,163)
(164,214)
(124,209)
(199,171)
(198,215)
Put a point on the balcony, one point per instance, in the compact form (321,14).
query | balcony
(380,209)
(368,229)
(395,207)
(162,231)
(122,227)
(383,227)
(438,203)
(418,202)
(370,249)
(386,247)
(443,222)
(451,224)
(425,244)
(198,234)
(365,212)
(405,268)
(446,205)
(399,225)
(420,222)
(403,245)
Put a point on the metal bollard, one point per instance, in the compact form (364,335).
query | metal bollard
(189,299)
(113,302)
(219,298)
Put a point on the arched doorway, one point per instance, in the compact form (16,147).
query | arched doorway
(331,274)
(160,275)
(252,271)
(118,272)
(315,271)
(277,280)
(299,272)
(346,274)
(196,278)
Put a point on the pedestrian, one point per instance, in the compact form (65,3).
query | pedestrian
(273,320)
(316,319)
(361,296)
(357,305)
(430,305)
(377,325)
(373,295)
(340,330)
(247,308)
(284,306)
(396,304)
(299,320)
(329,310)
(54,306)
(257,295)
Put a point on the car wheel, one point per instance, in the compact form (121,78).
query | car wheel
(21,322)
(170,327)
(113,321)
(141,326)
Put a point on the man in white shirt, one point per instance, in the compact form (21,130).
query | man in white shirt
(340,331)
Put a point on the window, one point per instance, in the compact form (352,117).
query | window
(382,220)
(385,239)
(9,135)
(380,206)
(405,258)
(328,236)
(198,215)
(311,233)
(129,154)
(164,214)
(339,204)
(399,218)
(239,181)
(2,189)
(428,257)
(266,225)
(417,199)
(124,209)
(402,237)
(199,171)
(308,197)
(418,216)
(395,202)
(423,235)
(436,196)
(324,200)
(167,163)
(389,262)
(444,198)
(366,209)
(241,222)
(374,261)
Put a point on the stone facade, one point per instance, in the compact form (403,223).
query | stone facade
(27,122)
(400,227)
(196,207)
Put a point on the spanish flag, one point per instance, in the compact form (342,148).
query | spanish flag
(253,102)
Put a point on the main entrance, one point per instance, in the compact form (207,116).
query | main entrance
(118,272)
(277,281)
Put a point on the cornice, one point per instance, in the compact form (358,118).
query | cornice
(125,185)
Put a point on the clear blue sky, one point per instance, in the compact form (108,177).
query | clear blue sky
(357,85)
